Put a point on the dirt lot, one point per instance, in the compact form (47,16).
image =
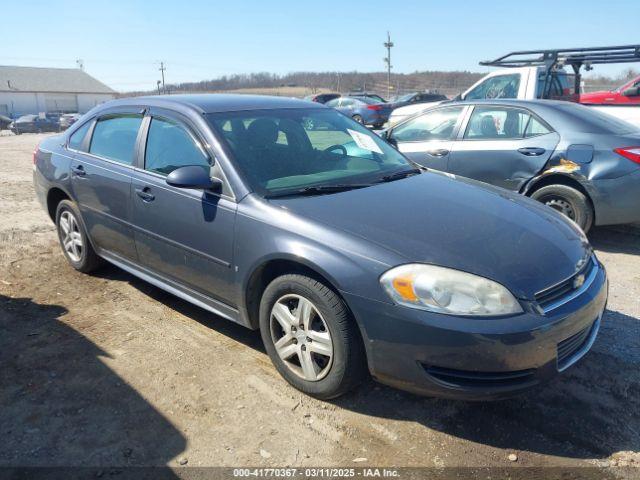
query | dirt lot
(107,370)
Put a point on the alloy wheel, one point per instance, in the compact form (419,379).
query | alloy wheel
(301,337)
(70,235)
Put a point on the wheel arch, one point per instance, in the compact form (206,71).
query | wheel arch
(54,196)
(265,271)
(556,179)
(561,179)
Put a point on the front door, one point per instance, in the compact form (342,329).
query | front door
(183,234)
(103,155)
(427,139)
(503,146)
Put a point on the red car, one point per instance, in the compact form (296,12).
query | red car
(629,93)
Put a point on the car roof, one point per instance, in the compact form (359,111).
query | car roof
(215,102)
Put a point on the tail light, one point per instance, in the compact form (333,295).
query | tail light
(35,154)
(374,107)
(631,153)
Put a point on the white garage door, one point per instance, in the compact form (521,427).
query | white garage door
(61,103)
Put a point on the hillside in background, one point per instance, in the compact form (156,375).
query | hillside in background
(305,83)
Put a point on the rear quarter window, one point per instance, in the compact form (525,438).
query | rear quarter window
(77,138)
(114,137)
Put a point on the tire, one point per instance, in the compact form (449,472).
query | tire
(568,201)
(80,256)
(358,119)
(336,373)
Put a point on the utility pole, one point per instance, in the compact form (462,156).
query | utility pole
(388,44)
(162,69)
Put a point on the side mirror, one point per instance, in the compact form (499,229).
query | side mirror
(389,138)
(193,176)
(631,92)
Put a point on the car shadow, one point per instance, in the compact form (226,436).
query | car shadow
(621,239)
(221,325)
(62,406)
(588,412)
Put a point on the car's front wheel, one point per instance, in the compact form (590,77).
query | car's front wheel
(310,336)
(73,238)
(568,201)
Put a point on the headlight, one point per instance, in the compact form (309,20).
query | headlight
(444,290)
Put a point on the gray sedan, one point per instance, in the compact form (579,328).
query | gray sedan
(578,161)
(342,253)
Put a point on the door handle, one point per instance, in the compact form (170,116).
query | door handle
(144,194)
(441,152)
(79,171)
(531,151)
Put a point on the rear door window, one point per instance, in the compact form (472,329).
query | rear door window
(502,123)
(114,137)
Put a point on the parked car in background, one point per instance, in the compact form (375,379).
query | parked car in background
(544,74)
(5,122)
(365,110)
(342,253)
(36,124)
(627,94)
(68,119)
(417,98)
(583,163)
(400,114)
(321,97)
(375,96)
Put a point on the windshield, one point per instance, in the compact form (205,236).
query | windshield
(405,98)
(283,151)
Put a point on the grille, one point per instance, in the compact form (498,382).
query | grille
(466,379)
(567,348)
(553,295)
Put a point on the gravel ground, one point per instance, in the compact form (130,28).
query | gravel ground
(106,370)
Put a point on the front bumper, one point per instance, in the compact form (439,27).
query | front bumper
(477,359)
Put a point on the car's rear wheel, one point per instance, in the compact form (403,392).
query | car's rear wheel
(358,119)
(568,201)
(73,238)
(310,336)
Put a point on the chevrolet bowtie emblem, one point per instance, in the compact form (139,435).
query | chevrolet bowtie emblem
(578,281)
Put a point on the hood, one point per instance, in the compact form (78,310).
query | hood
(462,224)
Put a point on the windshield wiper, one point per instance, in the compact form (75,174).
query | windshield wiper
(319,189)
(398,175)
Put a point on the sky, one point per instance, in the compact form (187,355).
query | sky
(123,42)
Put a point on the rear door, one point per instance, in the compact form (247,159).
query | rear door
(183,234)
(428,138)
(101,178)
(502,145)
